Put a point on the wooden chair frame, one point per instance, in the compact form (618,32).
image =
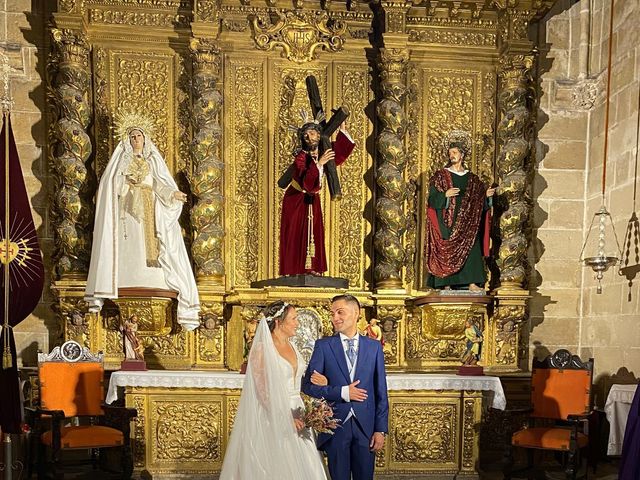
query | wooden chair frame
(560,360)
(43,420)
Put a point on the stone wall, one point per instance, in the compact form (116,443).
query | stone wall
(610,330)
(558,187)
(566,310)
(22,40)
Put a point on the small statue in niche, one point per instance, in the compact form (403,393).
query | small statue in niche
(474,338)
(374,331)
(133,348)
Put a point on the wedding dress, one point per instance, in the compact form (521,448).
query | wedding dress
(264,443)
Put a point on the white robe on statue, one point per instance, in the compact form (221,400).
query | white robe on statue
(119,255)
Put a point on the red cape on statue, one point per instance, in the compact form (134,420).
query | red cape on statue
(305,190)
(446,257)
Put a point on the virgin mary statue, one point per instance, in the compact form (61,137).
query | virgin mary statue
(137,240)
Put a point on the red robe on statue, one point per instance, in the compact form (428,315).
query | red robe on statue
(304,191)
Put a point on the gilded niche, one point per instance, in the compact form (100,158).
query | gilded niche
(161,350)
(441,100)
(435,332)
(141,83)
(299,34)
(289,98)
(451,103)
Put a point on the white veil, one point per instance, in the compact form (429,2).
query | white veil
(263,444)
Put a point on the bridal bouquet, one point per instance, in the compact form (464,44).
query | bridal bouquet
(318,415)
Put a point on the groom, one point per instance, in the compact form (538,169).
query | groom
(354,367)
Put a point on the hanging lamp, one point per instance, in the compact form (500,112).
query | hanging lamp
(605,257)
(630,260)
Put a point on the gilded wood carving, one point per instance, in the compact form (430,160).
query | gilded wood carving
(70,147)
(222,107)
(247,146)
(300,34)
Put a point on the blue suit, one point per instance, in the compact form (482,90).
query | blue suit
(348,448)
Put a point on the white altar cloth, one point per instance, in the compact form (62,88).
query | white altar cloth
(428,381)
(229,380)
(617,410)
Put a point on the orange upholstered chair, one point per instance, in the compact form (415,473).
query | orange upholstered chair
(72,414)
(560,406)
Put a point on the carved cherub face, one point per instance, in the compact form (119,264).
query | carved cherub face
(136,137)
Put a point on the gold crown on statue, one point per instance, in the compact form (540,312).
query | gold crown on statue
(461,137)
(126,120)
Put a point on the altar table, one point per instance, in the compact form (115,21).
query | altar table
(185,418)
(617,410)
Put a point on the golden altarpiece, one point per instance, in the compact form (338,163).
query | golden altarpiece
(223,81)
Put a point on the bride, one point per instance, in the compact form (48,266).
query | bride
(268,442)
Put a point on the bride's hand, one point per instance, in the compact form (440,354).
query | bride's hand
(299,424)
(319,379)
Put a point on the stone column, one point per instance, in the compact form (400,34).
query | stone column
(207,185)
(69,76)
(391,221)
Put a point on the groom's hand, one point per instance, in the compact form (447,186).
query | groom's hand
(377,442)
(357,394)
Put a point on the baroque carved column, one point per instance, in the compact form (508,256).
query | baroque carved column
(69,95)
(516,100)
(515,136)
(391,221)
(517,103)
(207,214)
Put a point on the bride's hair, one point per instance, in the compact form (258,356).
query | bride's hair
(275,311)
